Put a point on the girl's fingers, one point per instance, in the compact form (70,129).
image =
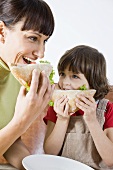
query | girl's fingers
(60,104)
(87,100)
(60,100)
(82,105)
(66,108)
(63,103)
(71,114)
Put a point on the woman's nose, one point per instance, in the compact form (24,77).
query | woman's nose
(39,53)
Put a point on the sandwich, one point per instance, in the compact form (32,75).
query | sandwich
(23,73)
(71,95)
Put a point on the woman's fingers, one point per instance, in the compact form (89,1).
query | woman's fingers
(40,84)
(34,82)
(44,84)
(49,91)
(22,92)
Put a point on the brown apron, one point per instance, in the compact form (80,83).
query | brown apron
(78,143)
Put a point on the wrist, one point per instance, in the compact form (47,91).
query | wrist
(62,118)
(19,125)
(91,122)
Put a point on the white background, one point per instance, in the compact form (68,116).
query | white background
(88,22)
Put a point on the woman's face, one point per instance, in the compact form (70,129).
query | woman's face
(72,81)
(22,46)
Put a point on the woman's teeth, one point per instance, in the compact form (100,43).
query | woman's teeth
(28,60)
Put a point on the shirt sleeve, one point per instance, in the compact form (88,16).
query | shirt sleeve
(51,115)
(109,116)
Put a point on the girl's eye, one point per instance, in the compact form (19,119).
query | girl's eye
(61,74)
(33,38)
(75,76)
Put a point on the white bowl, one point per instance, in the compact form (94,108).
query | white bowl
(51,162)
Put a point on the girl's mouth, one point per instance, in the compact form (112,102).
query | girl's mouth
(28,60)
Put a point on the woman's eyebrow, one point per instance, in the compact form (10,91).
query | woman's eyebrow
(39,34)
(34,32)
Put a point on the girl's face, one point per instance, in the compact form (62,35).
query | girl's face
(72,81)
(22,46)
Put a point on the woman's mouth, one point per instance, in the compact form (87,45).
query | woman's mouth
(28,60)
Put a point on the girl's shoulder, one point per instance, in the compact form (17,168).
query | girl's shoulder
(109,106)
(105,104)
(51,115)
(109,115)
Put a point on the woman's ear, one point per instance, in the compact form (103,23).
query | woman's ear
(2,32)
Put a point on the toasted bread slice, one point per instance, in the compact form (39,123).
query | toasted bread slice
(23,73)
(71,95)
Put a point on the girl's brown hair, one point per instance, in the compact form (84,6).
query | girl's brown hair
(90,62)
(36,14)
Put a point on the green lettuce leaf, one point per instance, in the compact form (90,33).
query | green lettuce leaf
(51,103)
(50,77)
(27,87)
(51,74)
(83,87)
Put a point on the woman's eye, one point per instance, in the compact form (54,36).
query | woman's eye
(45,41)
(75,77)
(33,38)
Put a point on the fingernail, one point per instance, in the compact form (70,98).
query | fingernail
(43,71)
(34,70)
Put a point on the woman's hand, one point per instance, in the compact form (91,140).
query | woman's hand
(61,107)
(29,106)
(88,105)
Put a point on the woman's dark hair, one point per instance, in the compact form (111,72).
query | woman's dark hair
(36,14)
(90,62)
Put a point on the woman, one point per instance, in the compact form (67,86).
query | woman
(25,26)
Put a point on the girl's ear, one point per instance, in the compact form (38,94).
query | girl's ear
(2,32)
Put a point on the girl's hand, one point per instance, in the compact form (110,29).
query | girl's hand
(88,105)
(29,106)
(61,107)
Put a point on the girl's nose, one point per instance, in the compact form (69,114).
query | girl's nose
(66,81)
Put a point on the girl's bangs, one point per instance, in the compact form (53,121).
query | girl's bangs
(74,64)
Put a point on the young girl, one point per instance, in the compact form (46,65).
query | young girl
(87,135)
